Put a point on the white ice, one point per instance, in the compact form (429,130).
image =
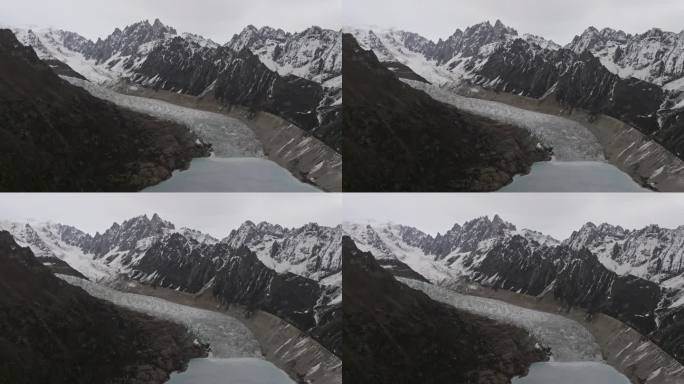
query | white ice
(227,337)
(229,137)
(568,340)
(570,140)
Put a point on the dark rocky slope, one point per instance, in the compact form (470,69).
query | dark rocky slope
(400,139)
(394,334)
(236,276)
(576,278)
(53,332)
(239,78)
(57,137)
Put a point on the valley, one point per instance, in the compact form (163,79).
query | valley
(575,354)
(241,308)
(605,97)
(234,351)
(301,89)
(237,163)
(602,281)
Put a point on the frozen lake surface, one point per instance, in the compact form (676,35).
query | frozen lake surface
(215,174)
(230,371)
(574,176)
(568,340)
(571,373)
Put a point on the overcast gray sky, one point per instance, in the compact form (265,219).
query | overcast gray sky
(216,19)
(559,20)
(555,214)
(213,213)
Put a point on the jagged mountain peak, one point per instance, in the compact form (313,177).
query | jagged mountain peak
(482,222)
(498,29)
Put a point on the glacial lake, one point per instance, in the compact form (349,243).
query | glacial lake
(574,176)
(230,371)
(582,372)
(236,174)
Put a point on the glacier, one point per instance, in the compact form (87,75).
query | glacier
(237,163)
(570,140)
(227,337)
(229,137)
(568,340)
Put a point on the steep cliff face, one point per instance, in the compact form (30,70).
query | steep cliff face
(398,138)
(394,334)
(57,137)
(51,331)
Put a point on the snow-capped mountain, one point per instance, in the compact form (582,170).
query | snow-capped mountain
(296,76)
(312,251)
(636,276)
(655,56)
(58,327)
(652,252)
(445,256)
(314,54)
(294,273)
(603,72)
(454,59)
(400,335)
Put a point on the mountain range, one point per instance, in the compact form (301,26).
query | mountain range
(293,273)
(395,137)
(294,75)
(395,334)
(58,137)
(55,332)
(635,79)
(636,276)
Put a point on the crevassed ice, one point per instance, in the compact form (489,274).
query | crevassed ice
(227,337)
(570,140)
(568,340)
(229,137)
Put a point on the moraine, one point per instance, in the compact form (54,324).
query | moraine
(237,163)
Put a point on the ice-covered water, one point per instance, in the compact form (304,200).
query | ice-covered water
(232,175)
(571,373)
(229,137)
(227,337)
(574,176)
(230,371)
(568,340)
(570,140)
